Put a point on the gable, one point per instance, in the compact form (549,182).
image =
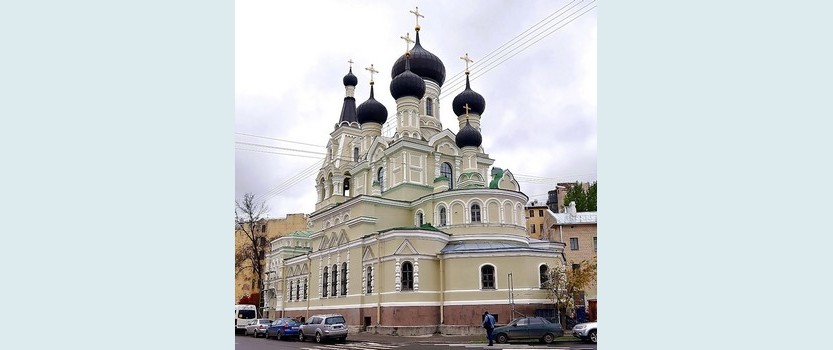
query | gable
(405,249)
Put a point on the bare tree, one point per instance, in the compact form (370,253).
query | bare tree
(249,218)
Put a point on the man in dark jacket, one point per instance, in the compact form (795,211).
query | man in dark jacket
(489,324)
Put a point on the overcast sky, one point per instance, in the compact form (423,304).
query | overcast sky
(540,117)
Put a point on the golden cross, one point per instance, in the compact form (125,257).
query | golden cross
(418,15)
(351,63)
(468,60)
(408,41)
(466,107)
(372,70)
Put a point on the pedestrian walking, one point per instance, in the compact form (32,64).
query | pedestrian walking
(489,324)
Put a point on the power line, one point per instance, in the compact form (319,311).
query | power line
(277,139)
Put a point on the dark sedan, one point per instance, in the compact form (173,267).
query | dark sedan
(529,328)
(283,328)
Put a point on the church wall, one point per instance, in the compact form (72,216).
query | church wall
(462,275)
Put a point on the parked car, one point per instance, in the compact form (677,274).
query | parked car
(283,328)
(323,327)
(586,331)
(529,328)
(257,327)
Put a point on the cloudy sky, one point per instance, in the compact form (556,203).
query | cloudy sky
(540,117)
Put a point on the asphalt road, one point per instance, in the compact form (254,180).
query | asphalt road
(394,343)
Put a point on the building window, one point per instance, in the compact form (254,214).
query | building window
(543,273)
(297,290)
(475,213)
(407,276)
(356,154)
(420,219)
(595,247)
(380,176)
(305,289)
(335,281)
(541,212)
(532,228)
(369,279)
(429,106)
(290,290)
(344,278)
(541,226)
(324,280)
(442,216)
(574,243)
(487,277)
(531,213)
(445,170)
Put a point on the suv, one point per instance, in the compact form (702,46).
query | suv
(586,331)
(323,327)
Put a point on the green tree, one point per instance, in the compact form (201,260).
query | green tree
(575,194)
(564,283)
(591,197)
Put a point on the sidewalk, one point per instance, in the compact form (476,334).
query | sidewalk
(435,338)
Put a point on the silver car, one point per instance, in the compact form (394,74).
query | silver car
(322,327)
(258,326)
(586,331)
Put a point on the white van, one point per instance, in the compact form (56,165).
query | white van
(242,315)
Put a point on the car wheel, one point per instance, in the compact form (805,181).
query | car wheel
(278,336)
(548,338)
(592,336)
(501,338)
(318,338)
(301,336)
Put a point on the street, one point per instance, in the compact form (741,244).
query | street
(397,343)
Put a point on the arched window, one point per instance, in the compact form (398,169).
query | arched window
(445,170)
(475,213)
(346,190)
(298,290)
(305,289)
(429,106)
(487,277)
(544,275)
(324,283)
(420,219)
(344,278)
(290,290)
(407,276)
(380,176)
(443,216)
(334,284)
(323,190)
(356,154)
(369,280)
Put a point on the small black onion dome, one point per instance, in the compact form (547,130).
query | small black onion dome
(468,136)
(423,63)
(407,84)
(350,79)
(371,111)
(476,102)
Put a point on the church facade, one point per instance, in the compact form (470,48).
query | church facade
(415,233)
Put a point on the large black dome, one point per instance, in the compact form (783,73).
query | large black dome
(476,102)
(371,111)
(350,79)
(423,63)
(407,84)
(468,136)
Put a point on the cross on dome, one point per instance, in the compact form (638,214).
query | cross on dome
(468,60)
(467,108)
(371,70)
(408,41)
(418,15)
(351,63)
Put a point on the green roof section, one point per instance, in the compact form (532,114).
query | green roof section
(304,234)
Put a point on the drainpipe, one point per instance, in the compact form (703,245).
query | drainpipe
(309,282)
(442,290)
(380,284)
(561,233)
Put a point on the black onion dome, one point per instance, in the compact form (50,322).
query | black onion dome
(468,136)
(371,111)
(350,79)
(423,63)
(476,102)
(407,84)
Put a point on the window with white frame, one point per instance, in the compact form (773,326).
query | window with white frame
(487,277)
(574,243)
(407,276)
(475,213)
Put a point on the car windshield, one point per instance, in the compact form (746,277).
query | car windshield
(335,320)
